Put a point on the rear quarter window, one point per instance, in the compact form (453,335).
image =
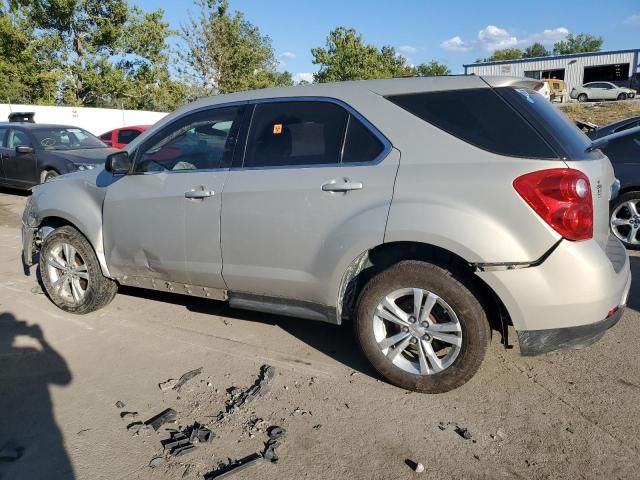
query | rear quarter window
(480,117)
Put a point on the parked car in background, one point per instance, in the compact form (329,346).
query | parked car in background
(424,210)
(32,153)
(601,91)
(121,137)
(557,90)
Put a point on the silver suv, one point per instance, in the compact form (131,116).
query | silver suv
(428,211)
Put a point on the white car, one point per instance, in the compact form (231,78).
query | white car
(601,91)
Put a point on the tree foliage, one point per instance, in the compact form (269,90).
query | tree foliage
(346,56)
(226,53)
(580,43)
(535,50)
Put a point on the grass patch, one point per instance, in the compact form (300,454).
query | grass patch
(602,113)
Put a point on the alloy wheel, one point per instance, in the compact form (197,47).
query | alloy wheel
(417,331)
(625,222)
(67,272)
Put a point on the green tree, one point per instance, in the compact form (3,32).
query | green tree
(226,53)
(535,50)
(346,56)
(580,43)
(505,54)
(433,68)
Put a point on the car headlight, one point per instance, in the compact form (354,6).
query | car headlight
(85,166)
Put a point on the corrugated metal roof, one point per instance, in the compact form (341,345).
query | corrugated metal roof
(553,57)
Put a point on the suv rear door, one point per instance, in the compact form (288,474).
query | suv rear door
(303,196)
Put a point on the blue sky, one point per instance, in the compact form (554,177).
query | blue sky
(452,32)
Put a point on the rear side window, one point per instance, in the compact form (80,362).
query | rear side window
(552,124)
(295,133)
(127,136)
(106,136)
(480,117)
(361,145)
(3,136)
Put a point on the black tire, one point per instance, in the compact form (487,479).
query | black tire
(583,97)
(620,211)
(622,96)
(98,290)
(457,292)
(48,175)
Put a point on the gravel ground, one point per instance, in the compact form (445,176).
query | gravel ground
(565,415)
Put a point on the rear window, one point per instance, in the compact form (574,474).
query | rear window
(480,117)
(555,127)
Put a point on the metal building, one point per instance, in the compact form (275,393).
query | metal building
(619,66)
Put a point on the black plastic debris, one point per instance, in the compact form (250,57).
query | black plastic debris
(463,432)
(166,416)
(225,470)
(186,377)
(120,404)
(260,388)
(182,442)
(128,415)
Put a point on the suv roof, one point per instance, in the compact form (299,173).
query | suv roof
(35,126)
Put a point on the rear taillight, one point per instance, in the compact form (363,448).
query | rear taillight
(562,197)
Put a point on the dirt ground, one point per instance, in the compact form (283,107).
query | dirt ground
(571,415)
(602,113)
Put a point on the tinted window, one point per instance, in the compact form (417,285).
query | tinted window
(106,136)
(3,136)
(552,124)
(295,133)
(127,136)
(201,141)
(18,138)
(361,145)
(479,117)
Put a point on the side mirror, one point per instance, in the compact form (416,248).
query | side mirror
(118,163)
(24,149)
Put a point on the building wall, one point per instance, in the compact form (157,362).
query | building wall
(95,120)
(573,66)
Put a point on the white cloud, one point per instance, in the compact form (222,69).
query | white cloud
(456,44)
(495,38)
(547,37)
(303,76)
(632,19)
(407,49)
(286,57)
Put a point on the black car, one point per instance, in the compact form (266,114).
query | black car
(33,153)
(623,149)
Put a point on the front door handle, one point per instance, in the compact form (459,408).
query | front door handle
(344,185)
(199,193)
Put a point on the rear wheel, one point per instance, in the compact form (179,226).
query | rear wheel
(71,273)
(583,97)
(622,96)
(625,219)
(421,328)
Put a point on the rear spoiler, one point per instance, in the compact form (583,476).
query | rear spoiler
(603,141)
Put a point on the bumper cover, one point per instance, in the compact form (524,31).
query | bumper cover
(536,342)
(28,234)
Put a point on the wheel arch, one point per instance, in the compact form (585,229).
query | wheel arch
(379,258)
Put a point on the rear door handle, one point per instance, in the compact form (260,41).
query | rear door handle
(345,185)
(199,193)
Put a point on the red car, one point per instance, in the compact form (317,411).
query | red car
(121,137)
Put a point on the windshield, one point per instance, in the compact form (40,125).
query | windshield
(65,138)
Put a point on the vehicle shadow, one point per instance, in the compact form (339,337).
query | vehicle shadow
(633,301)
(15,191)
(336,341)
(31,444)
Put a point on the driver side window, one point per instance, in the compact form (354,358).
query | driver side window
(202,141)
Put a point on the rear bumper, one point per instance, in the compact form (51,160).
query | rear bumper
(562,302)
(536,342)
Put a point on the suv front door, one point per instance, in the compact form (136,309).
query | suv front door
(162,220)
(20,168)
(303,198)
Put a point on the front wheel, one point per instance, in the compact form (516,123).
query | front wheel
(583,97)
(71,274)
(622,96)
(48,175)
(421,328)
(625,219)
